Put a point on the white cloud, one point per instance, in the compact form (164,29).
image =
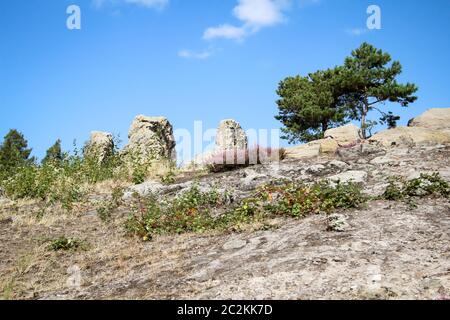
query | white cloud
(154,4)
(189,54)
(254,14)
(259,13)
(356,31)
(225,31)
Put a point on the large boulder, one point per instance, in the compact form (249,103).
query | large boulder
(328,147)
(308,150)
(344,136)
(151,138)
(410,136)
(99,147)
(231,136)
(436,119)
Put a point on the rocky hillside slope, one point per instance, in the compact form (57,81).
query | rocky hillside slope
(386,249)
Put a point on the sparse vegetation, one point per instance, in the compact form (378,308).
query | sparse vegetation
(192,210)
(66,244)
(189,212)
(426,185)
(107,207)
(65,178)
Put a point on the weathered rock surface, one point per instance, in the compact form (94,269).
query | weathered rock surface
(231,136)
(410,136)
(350,176)
(100,146)
(344,136)
(328,146)
(308,150)
(436,119)
(151,138)
(385,250)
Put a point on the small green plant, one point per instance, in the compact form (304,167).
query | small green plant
(336,223)
(169,177)
(7,290)
(400,189)
(107,207)
(298,200)
(138,175)
(189,212)
(66,244)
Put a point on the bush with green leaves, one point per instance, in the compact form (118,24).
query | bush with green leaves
(426,185)
(299,200)
(189,212)
(192,210)
(62,178)
(66,244)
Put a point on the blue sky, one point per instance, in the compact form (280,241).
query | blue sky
(195,60)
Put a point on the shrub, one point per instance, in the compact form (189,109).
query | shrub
(189,212)
(47,183)
(425,185)
(65,244)
(299,200)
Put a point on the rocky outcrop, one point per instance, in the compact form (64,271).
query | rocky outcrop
(231,136)
(436,119)
(344,136)
(308,150)
(328,146)
(410,136)
(150,139)
(99,147)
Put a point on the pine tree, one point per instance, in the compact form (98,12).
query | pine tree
(369,81)
(54,153)
(14,151)
(308,106)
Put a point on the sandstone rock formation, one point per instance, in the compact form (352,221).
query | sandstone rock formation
(99,147)
(328,146)
(151,138)
(410,136)
(346,135)
(436,119)
(231,136)
(430,128)
(308,150)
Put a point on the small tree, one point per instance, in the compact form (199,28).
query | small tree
(14,151)
(369,81)
(308,106)
(54,153)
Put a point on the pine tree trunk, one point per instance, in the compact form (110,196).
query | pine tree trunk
(365,110)
(324,127)
(363,125)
